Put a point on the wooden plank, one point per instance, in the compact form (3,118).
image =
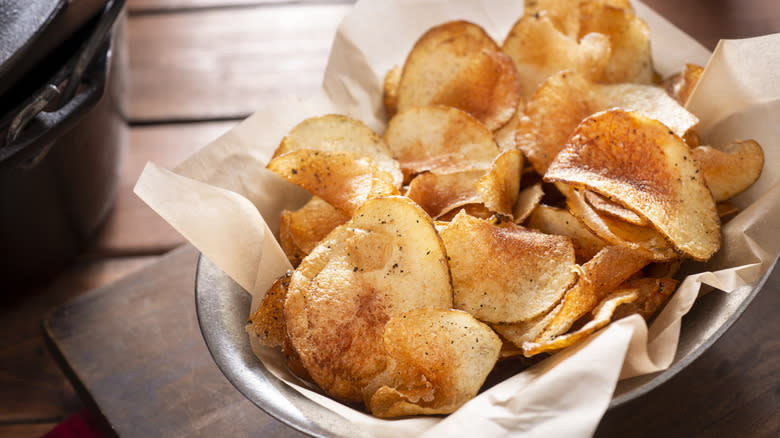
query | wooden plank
(137,349)
(34,430)
(132,227)
(33,386)
(226,63)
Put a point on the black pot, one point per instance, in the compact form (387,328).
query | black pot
(62,137)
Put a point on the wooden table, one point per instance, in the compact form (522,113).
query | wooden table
(197,67)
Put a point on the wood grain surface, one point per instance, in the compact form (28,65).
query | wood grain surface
(196,68)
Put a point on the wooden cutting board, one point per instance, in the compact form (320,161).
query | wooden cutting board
(134,351)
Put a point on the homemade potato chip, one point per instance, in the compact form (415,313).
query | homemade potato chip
(652,295)
(525,331)
(390,90)
(602,316)
(565,99)
(539,50)
(505,273)
(528,199)
(386,260)
(639,163)
(500,186)
(301,230)
(732,170)
(440,194)
(598,277)
(551,220)
(267,322)
(605,206)
(629,36)
(337,133)
(681,85)
(565,14)
(644,239)
(458,64)
(487,87)
(442,358)
(343,179)
(439,139)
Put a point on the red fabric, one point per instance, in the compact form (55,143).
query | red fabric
(79,425)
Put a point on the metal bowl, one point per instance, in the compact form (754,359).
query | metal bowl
(222,306)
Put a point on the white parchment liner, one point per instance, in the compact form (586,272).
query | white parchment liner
(218,199)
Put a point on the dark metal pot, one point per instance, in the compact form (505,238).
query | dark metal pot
(62,137)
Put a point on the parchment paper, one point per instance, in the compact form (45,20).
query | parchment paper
(226,204)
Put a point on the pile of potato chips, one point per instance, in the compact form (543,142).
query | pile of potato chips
(522,197)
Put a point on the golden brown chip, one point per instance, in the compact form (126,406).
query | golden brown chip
(439,139)
(726,209)
(731,170)
(602,316)
(539,50)
(617,232)
(487,87)
(505,273)
(681,86)
(437,56)
(440,194)
(386,260)
(390,90)
(605,206)
(337,133)
(442,358)
(527,201)
(267,322)
(567,98)
(301,230)
(653,294)
(551,220)
(505,136)
(343,179)
(476,210)
(598,277)
(637,162)
(499,187)
(458,64)
(565,14)
(629,36)
(526,331)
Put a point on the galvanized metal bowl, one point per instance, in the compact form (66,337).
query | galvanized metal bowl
(222,306)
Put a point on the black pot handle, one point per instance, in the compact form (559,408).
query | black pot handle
(60,91)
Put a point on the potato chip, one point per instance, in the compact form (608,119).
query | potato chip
(442,358)
(505,136)
(653,293)
(439,139)
(726,209)
(565,14)
(598,277)
(337,133)
(551,220)
(343,179)
(440,194)
(301,230)
(630,58)
(267,322)
(525,331)
(458,64)
(437,56)
(567,98)
(602,316)
(644,239)
(681,85)
(500,186)
(487,87)
(539,50)
(527,201)
(390,91)
(505,273)
(605,206)
(639,163)
(475,210)
(731,170)
(386,260)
